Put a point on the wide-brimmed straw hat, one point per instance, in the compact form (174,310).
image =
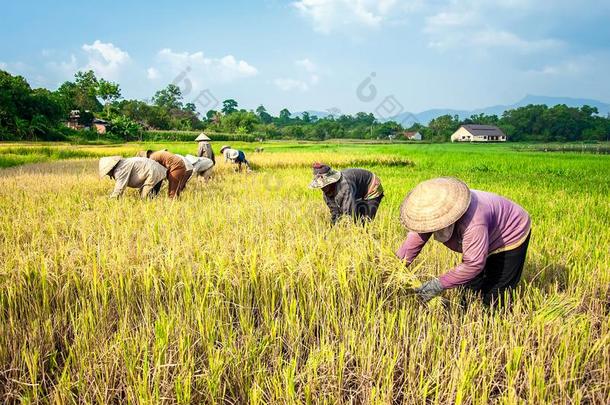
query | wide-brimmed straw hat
(107,164)
(202,137)
(324,175)
(435,204)
(224,147)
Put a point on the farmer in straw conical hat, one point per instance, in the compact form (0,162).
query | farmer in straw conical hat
(205,148)
(490,231)
(351,192)
(235,156)
(135,172)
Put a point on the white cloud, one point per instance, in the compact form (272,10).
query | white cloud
(572,66)
(472,25)
(152,73)
(64,69)
(105,59)
(197,67)
(448,19)
(329,15)
(496,38)
(287,84)
(309,73)
(3,65)
(307,65)
(240,67)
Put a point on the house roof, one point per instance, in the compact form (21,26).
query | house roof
(484,130)
(409,134)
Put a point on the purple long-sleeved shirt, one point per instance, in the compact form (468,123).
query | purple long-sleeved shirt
(491,224)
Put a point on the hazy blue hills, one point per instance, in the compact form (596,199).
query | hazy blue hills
(424,117)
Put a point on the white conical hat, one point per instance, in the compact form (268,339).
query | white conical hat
(107,164)
(435,204)
(202,137)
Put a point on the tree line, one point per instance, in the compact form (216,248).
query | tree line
(40,114)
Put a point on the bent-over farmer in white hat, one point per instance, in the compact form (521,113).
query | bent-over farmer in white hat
(490,231)
(235,156)
(136,172)
(202,166)
(205,148)
(351,192)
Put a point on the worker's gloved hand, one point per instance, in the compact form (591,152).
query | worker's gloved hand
(429,290)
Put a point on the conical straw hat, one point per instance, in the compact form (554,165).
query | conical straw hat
(435,204)
(107,164)
(202,137)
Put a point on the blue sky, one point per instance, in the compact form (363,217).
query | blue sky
(318,54)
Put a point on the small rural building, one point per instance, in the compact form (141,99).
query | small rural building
(412,135)
(84,120)
(74,120)
(478,133)
(100,126)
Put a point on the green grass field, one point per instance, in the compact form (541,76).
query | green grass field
(240,292)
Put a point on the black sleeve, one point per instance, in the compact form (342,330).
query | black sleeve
(335,212)
(348,201)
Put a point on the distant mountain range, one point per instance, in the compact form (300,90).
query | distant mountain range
(424,117)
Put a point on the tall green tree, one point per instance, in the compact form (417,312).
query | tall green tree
(441,128)
(263,115)
(82,93)
(26,113)
(284,117)
(169,97)
(210,115)
(240,121)
(229,106)
(108,92)
(190,107)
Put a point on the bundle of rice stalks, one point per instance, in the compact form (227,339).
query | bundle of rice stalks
(556,307)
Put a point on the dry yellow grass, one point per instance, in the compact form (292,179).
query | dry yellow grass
(240,292)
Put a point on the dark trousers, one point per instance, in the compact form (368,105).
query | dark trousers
(241,159)
(155,190)
(367,209)
(502,272)
(184,180)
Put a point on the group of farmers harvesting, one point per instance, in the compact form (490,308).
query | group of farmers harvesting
(148,169)
(490,231)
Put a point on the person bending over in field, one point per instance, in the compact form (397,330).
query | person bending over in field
(351,192)
(490,231)
(176,169)
(135,172)
(202,166)
(205,148)
(236,157)
(190,169)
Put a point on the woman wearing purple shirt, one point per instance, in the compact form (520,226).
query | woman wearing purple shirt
(490,231)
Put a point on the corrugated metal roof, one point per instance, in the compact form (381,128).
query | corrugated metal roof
(484,130)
